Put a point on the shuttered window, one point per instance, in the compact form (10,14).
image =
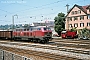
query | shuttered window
(81,24)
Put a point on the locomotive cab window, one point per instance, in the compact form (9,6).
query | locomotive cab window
(47,29)
(38,28)
(34,29)
(30,29)
(17,30)
(24,29)
(63,33)
(21,30)
(27,29)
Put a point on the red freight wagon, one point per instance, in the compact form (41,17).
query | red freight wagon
(4,34)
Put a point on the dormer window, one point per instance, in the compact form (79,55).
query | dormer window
(75,12)
(72,13)
(79,11)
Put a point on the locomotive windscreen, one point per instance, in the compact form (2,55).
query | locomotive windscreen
(47,28)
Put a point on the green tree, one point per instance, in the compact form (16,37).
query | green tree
(59,23)
(74,29)
(85,32)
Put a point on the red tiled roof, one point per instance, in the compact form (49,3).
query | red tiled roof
(84,8)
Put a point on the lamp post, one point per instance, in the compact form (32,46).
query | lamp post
(13,21)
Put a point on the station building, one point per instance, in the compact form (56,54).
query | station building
(79,17)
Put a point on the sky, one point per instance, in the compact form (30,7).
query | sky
(29,11)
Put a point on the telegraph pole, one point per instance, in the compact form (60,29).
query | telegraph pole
(67,6)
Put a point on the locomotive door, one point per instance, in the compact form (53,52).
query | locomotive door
(34,33)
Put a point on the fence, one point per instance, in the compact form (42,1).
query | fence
(5,55)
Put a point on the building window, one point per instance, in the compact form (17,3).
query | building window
(89,9)
(88,17)
(75,12)
(70,25)
(81,17)
(72,12)
(69,19)
(88,24)
(76,25)
(79,11)
(81,24)
(75,18)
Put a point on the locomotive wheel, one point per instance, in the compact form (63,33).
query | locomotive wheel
(31,40)
(47,40)
(37,41)
(43,41)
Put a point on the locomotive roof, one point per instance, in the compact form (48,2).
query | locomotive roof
(32,27)
(40,26)
(63,31)
(20,28)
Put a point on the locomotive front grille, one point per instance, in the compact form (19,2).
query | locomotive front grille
(48,33)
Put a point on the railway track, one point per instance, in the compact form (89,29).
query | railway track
(76,43)
(60,46)
(40,54)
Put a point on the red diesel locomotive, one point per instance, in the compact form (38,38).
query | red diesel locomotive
(41,34)
(69,34)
